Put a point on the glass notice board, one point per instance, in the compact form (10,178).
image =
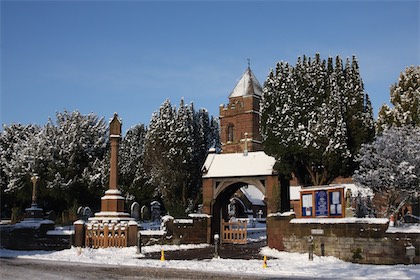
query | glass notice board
(322,202)
(336,208)
(307,205)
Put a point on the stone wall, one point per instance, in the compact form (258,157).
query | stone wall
(354,240)
(33,236)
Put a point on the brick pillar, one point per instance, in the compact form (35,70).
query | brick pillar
(132,233)
(278,227)
(272,194)
(208,233)
(207,195)
(207,205)
(79,233)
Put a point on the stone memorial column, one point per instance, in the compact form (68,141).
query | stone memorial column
(112,204)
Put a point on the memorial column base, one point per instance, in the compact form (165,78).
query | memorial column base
(112,207)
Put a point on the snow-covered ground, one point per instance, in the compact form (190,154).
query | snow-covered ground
(279,263)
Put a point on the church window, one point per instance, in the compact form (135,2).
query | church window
(230,133)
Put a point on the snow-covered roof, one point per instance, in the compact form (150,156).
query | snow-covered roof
(253,194)
(295,190)
(238,165)
(247,85)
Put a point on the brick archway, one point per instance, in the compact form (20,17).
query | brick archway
(225,183)
(224,174)
(218,191)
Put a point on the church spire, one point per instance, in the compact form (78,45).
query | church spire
(247,84)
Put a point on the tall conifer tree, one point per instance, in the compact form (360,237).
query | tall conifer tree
(314,118)
(176,145)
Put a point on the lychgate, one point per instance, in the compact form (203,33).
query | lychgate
(225,174)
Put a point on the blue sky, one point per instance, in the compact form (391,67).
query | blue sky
(129,56)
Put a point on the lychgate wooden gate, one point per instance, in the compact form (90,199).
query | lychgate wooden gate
(234,232)
(103,235)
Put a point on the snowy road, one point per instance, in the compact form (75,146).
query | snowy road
(125,263)
(31,269)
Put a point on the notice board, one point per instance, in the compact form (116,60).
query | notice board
(322,201)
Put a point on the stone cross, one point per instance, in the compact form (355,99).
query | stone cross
(34,180)
(246,144)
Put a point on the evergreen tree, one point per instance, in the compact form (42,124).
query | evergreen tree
(78,146)
(67,156)
(182,156)
(278,123)
(358,110)
(156,148)
(214,137)
(133,180)
(176,145)
(327,139)
(18,145)
(314,118)
(405,96)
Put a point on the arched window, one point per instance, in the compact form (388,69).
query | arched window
(230,132)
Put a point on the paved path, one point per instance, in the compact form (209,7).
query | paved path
(32,269)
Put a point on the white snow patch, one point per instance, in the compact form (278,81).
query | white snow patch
(68,230)
(278,264)
(254,195)
(166,218)
(295,192)
(153,232)
(340,221)
(284,214)
(33,223)
(407,228)
(197,215)
(183,221)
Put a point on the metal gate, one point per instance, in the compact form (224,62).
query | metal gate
(234,232)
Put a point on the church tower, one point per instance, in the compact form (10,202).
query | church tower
(240,119)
